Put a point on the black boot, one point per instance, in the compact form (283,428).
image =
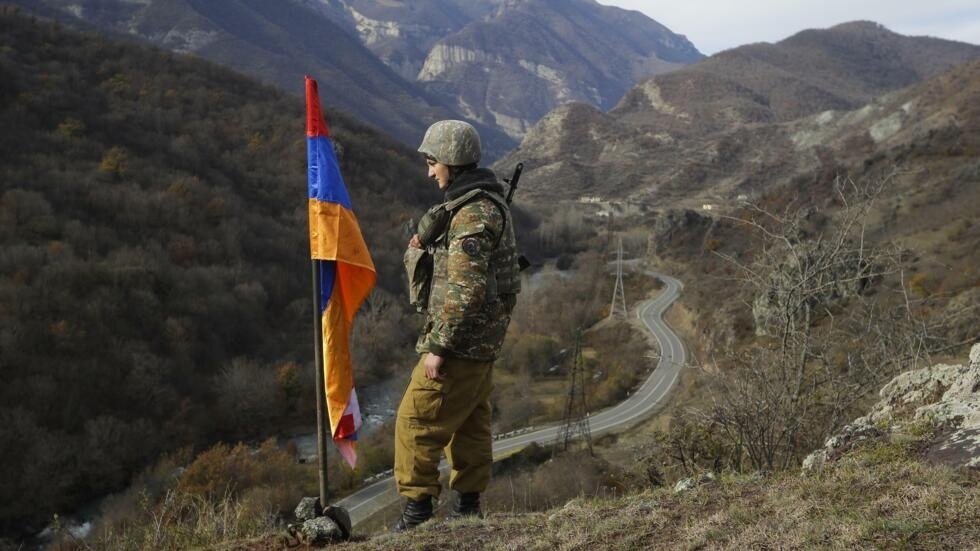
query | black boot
(465,504)
(415,513)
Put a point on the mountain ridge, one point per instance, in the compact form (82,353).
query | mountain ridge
(371,56)
(513,66)
(670,130)
(279,44)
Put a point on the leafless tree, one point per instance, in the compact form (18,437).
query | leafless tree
(833,321)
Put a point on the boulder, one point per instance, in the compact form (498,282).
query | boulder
(320,530)
(308,509)
(835,446)
(947,396)
(686,484)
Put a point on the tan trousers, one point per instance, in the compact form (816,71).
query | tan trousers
(452,414)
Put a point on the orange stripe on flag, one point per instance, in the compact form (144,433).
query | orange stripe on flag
(337,374)
(336,235)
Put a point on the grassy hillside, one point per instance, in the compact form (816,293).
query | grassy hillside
(880,498)
(883,495)
(154,277)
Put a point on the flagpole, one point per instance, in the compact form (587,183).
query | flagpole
(321,392)
(327,194)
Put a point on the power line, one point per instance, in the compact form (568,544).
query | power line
(576,419)
(618,306)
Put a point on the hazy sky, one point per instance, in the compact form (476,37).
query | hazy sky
(715,25)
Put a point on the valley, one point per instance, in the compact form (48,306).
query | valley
(815,195)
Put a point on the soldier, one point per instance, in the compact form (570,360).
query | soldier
(468,301)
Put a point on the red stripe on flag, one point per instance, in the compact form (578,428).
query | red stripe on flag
(315,123)
(345,428)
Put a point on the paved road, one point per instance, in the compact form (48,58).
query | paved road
(641,404)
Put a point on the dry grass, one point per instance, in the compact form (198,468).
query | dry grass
(180,521)
(878,497)
(227,493)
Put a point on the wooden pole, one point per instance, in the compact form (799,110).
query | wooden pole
(321,392)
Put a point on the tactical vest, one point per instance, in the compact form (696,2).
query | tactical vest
(423,266)
(503,261)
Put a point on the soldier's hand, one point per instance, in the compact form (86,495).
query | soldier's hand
(415,242)
(433,366)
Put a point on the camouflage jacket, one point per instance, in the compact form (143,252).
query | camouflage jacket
(475,276)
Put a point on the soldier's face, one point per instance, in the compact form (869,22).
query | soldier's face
(438,172)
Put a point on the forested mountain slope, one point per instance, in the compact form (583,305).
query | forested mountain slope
(276,42)
(154,278)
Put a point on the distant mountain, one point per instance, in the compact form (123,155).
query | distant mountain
(401,65)
(506,63)
(921,143)
(401,33)
(679,132)
(838,68)
(277,42)
(531,56)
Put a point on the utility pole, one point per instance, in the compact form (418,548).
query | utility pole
(576,420)
(618,306)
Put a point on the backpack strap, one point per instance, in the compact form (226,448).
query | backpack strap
(452,207)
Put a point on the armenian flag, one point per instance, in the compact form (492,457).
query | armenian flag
(347,273)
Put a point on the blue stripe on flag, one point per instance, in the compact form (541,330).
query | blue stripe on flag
(328,275)
(325,181)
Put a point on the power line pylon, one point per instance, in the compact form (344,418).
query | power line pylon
(618,306)
(576,420)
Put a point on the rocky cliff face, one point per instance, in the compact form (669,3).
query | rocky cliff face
(785,299)
(677,232)
(945,396)
(531,56)
(506,63)
(402,33)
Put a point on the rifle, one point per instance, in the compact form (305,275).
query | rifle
(513,181)
(522,261)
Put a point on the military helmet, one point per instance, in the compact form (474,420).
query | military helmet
(452,143)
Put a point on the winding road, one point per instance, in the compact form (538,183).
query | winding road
(641,404)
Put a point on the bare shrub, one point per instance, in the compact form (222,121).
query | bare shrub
(563,231)
(248,396)
(227,492)
(834,322)
(553,483)
(181,521)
